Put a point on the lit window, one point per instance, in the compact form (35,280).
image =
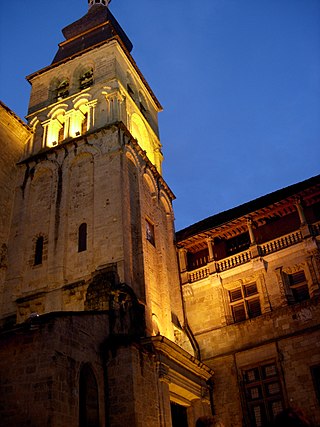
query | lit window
(82,237)
(263,394)
(38,251)
(299,286)
(86,79)
(150,232)
(245,302)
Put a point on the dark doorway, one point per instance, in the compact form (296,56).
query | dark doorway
(179,415)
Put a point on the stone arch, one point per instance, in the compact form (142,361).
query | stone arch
(88,397)
(35,144)
(165,203)
(132,156)
(139,131)
(99,292)
(131,85)
(151,184)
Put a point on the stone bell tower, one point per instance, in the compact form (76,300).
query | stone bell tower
(95,333)
(91,205)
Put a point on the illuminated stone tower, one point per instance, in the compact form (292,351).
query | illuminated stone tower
(91,274)
(91,201)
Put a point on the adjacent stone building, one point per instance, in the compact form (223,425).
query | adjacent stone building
(98,325)
(251,282)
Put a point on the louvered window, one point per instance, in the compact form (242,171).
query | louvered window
(299,286)
(245,302)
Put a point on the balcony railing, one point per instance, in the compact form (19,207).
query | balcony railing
(200,273)
(233,261)
(244,257)
(280,243)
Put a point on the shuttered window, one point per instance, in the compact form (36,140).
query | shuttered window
(299,286)
(245,302)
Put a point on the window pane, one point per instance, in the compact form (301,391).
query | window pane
(254,393)
(275,408)
(235,294)
(301,293)
(296,278)
(250,289)
(254,308)
(252,375)
(150,232)
(238,312)
(273,388)
(269,371)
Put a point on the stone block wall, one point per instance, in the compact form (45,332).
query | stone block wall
(40,364)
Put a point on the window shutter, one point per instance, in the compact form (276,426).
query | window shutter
(239,313)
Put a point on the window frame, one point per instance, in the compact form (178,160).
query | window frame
(265,396)
(241,303)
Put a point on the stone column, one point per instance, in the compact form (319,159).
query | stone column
(212,264)
(253,244)
(91,113)
(210,248)
(164,395)
(304,227)
(300,211)
(251,234)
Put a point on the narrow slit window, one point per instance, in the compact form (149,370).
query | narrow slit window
(82,237)
(38,251)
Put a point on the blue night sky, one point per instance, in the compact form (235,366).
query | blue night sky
(239,81)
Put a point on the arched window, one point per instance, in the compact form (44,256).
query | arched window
(62,90)
(88,398)
(86,79)
(38,251)
(82,237)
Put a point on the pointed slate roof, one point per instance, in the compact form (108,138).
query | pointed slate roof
(96,26)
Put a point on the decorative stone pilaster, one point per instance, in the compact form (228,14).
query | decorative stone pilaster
(114,101)
(163,372)
(282,286)
(314,287)
(182,252)
(91,113)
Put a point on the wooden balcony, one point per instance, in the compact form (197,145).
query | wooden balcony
(244,257)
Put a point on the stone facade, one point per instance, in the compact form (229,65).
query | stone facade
(251,289)
(94,328)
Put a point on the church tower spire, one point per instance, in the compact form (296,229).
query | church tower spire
(100,2)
